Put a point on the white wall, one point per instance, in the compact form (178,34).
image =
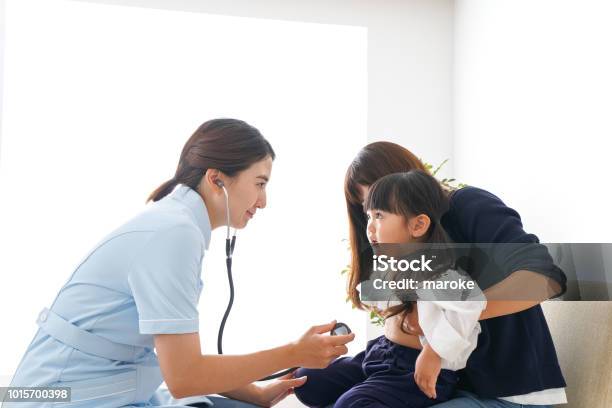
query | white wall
(94,121)
(1,65)
(532,111)
(410,51)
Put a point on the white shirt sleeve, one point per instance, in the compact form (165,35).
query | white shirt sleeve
(451,327)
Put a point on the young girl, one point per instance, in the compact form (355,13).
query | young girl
(400,369)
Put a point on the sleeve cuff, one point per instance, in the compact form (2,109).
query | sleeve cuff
(169,326)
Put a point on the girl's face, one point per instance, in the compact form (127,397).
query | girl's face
(388,228)
(247,192)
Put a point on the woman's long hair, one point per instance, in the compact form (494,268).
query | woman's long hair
(228,145)
(373,162)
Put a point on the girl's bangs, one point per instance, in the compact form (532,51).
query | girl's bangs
(383,196)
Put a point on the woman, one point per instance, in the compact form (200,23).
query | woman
(127,318)
(514,363)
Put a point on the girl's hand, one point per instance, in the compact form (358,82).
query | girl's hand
(316,349)
(427,368)
(274,392)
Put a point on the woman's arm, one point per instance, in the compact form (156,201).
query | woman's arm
(496,308)
(528,289)
(187,372)
(520,291)
(524,274)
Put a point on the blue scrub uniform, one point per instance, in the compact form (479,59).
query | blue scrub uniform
(142,279)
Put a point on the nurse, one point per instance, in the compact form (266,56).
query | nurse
(127,317)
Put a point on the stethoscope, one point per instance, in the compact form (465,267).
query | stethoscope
(230,242)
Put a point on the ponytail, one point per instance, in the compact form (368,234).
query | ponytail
(163,190)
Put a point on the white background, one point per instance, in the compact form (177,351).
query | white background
(94,119)
(533,111)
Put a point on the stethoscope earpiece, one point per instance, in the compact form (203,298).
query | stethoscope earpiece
(229,247)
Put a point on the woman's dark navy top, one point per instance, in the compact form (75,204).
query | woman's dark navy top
(515,354)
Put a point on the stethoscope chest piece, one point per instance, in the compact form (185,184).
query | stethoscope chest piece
(340,329)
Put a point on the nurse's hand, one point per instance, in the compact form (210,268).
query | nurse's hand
(274,392)
(316,348)
(269,394)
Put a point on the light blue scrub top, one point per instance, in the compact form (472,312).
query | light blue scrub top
(142,279)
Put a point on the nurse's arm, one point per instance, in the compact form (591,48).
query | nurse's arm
(187,372)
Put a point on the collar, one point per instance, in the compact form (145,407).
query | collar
(192,200)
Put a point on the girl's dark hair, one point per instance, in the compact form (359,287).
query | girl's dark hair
(410,194)
(229,145)
(372,162)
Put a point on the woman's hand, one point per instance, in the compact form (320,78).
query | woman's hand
(411,323)
(426,370)
(274,392)
(316,349)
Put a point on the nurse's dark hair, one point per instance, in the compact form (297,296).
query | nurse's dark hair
(373,162)
(228,145)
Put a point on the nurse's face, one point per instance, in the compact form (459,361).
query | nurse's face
(247,192)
